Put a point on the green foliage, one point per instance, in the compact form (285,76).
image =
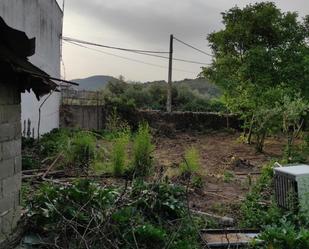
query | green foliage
(259,62)
(142,151)
(30,162)
(80,151)
(285,234)
(293,111)
(147,215)
(159,200)
(115,124)
(119,154)
(280,228)
(54,142)
(259,208)
(197,181)
(189,95)
(191,162)
(228,176)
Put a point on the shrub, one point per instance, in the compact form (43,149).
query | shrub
(80,151)
(30,162)
(142,151)
(55,141)
(119,154)
(259,208)
(146,215)
(115,124)
(285,234)
(191,162)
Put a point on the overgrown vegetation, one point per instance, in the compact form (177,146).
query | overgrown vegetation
(87,215)
(152,96)
(191,163)
(261,67)
(280,228)
(119,154)
(142,151)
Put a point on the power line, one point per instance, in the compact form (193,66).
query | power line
(112,47)
(177,59)
(197,49)
(142,52)
(127,58)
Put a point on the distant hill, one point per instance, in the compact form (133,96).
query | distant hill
(93,83)
(98,82)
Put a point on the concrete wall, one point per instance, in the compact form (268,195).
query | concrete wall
(85,117)
(41,19)
(10,158)
(95,117)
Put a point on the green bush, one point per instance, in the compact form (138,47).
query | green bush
(285,234)
(30,162)
(54,142)
(119,154)
(142,151)
(80,151)
(146,215)
(259,207)
(191,162)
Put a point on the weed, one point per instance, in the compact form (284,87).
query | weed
(80,151)
(119,154)
(54,142)
(30,162)
(259,208)
(115,124)
(191,162)
(197,182)
(149,215)
(142,151)
(285,234)
(228,176)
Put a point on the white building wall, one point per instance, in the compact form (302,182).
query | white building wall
(41,19)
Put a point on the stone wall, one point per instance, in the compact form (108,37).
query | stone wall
(95,117)
(10,158)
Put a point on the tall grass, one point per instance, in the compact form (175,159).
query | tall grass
(80,151)
(142,151)
(191,162)
(119,154)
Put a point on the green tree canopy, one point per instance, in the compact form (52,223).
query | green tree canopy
(260,56)
(259,48)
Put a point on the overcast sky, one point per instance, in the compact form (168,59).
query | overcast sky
(145,24)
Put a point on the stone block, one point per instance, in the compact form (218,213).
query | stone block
(10,220)
(6,204)
(11,185)
(10,149)
(10,131)
(7,168)
(17,165)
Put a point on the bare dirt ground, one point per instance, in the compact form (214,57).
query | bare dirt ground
(228,167)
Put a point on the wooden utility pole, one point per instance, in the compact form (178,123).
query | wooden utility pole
(170,72)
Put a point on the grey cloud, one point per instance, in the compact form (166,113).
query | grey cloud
(154,21)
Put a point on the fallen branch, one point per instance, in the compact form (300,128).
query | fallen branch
(222,220)
(52,165)
(40,175)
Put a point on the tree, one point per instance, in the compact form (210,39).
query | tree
(260,55)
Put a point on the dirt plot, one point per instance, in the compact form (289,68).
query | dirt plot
(229,166)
